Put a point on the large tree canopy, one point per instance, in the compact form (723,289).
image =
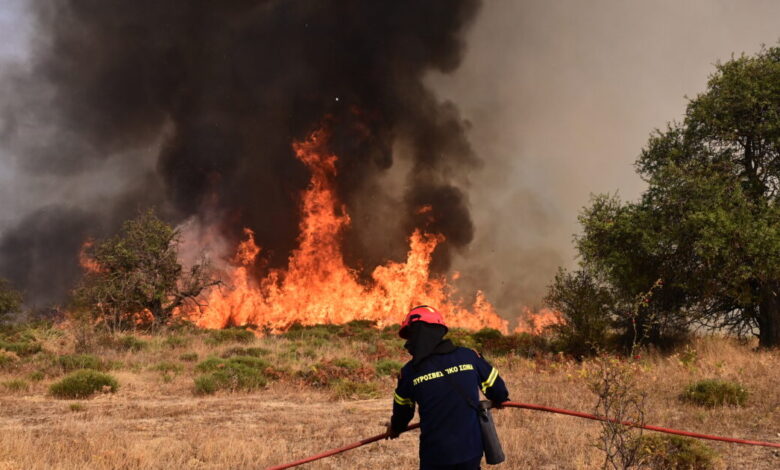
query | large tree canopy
(708,224)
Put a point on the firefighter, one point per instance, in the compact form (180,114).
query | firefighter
(444,381)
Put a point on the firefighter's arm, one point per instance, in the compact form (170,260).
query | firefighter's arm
(403,407)
(491,384)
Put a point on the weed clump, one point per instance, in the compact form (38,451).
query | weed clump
(189,357)
(129,343)
(234,374)
(7,359)
(83,383)
(230,335)
(253,352)
(345,389)
(387,367)
(22,348)
(16,385)
(349,363)
(675,453)
(175,341)
(71,362)
(713,392)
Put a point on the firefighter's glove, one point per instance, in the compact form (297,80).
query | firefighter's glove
(390,433)
(497,405)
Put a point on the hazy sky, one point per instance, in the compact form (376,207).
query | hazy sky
(561,96)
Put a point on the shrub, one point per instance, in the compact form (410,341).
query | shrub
(174,342)
(37,376)
(232,376)
(298,331)
(167,367)
(76,407)
(521,344)
(16,385)
(23,348)
(189,357)
(83,383)
(463,338)
(230,335)
(71,362)
(348,363)
(675,453)
(7,359)
(254,352)
(345,388)
(714,392)
(387,367)
(130,343)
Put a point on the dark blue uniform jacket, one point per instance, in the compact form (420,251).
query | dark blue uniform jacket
(450,432)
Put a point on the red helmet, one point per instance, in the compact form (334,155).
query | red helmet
(422,313)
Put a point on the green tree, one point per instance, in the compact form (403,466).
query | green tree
(708,224)
(135,277)
(10,299)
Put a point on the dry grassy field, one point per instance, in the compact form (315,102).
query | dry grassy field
(328,387)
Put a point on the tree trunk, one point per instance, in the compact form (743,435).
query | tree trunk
(769,317)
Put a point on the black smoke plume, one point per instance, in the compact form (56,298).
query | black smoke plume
(216,91)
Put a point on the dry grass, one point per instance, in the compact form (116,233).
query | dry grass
(156,421)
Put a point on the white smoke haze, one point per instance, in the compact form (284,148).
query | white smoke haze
(560,98)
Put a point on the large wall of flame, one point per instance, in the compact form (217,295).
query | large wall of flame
(208,97)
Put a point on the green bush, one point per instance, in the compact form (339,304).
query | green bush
(348,363)
(675,453)
(230,335)
(83,383)
(714,392)
(37,376)
(298,331)
(22,348)
(7,360)
(387,367)
(71,362)
(174,341)
(232,376)
(189,357)
(130,343)
(345,388)
(254,352)
(16,385)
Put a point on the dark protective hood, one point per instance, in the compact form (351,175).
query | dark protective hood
(425,339)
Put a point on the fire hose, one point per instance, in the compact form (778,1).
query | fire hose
(514,404)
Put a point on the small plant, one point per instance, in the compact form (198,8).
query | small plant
(348,363)
(37,376)
(345,388)
(169,370)
(21,348)
(711,393)
(77,407)
(254,352)
(174,341)
(7,359)
(614,384)
(189,357)
(16,385)
(675,453)
(387,367)
(130,343)
(83,383)
(236,373)
(230,335)
(688,357)
(71,362)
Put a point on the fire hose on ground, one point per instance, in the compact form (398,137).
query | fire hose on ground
(514,404)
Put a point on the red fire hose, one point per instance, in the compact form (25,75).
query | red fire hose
(514,404)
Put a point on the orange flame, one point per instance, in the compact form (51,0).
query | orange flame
(318,287)
(536,322)
(87,263)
